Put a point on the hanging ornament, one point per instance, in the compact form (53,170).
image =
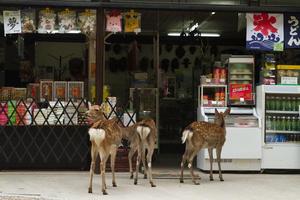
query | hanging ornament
(47,18)
(67,21)
(87,22)
(132,21)
(113,21)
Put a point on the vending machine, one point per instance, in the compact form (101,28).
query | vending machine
(278,106)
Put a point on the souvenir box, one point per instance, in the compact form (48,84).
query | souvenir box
(60,90)
(33,91)
(75,90)
(7,93)
(20,93)
(46,90)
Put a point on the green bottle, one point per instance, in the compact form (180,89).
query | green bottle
(294,124)
(288,104)
(294,104)
(288,124)
(278,103)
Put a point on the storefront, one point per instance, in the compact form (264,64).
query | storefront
(174,62)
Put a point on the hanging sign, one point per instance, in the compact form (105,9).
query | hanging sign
(291,31)
(113,21)
(28,21)
(240,91)
(67,21)
(265,31)
(47,19)
(132,21)
(87,22)
(12,21)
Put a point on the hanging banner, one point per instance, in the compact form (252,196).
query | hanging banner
(47,21)
(291,31)
(12,22)
(265,31)
(87,22)
(67,21)
(28,21)
(132,21)
(113,21)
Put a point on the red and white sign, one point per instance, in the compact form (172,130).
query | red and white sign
(240,91)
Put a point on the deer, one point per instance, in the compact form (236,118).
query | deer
(141,135)
(200,134)
(105,137)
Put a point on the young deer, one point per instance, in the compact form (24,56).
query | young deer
(200,135)
(105,136)
(146,139)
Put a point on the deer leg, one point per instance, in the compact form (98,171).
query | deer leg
(138,160)
(210,152)
(103,157)
(149,161)
(130,155)
(144,163)
(92,168)
(112,164)
(219,150)
(184,159)
(190,165)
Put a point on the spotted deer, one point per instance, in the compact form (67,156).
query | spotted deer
(105,136)
(199,135)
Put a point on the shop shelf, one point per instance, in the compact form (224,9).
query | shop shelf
(213,85)
(241,73)
(282,132)
(241,79)
(281,112)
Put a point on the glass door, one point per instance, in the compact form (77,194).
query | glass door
(282,121)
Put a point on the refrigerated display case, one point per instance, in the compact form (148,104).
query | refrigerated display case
(242,149)
(278,106)
(241,80)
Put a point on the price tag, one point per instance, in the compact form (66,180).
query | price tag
(222,80)
(289,80)
(208,80)
(242,99)
(214,102)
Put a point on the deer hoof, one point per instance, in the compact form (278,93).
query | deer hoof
(104,192)
(152,184)
(114,184)
(211,178)
(181,181)
(221,179)
(90,190)
(196,183)
(131,176)
(135,182)
(145,176)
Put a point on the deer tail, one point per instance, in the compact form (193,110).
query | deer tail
(186,134)
(97,135)
(143,132)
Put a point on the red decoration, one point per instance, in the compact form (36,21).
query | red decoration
(263,23)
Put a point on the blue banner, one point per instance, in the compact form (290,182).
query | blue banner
(292,30)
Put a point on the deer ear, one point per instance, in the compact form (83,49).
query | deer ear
(227,112)
(216,111)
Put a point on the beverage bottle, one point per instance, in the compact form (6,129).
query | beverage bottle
(288,104)
(283,124)
(278,123)
(277,103)
(288,124)
(298,103)
(268,103)
(283,104)
(272,103)
(268,123)
(298,124)
(294,104)
(273,123)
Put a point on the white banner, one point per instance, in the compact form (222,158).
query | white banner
(12,21)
